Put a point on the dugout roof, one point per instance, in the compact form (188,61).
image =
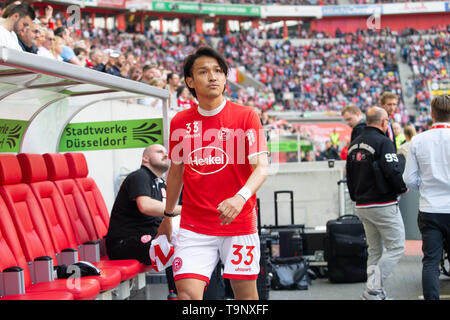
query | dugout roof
(46,94)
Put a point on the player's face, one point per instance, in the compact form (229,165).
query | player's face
(390,105)
(208,79)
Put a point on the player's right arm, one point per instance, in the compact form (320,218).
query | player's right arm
(174,184)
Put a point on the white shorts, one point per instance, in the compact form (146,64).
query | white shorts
(196,255)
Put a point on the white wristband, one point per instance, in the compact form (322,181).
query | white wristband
(245,193)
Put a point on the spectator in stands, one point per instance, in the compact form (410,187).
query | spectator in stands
(318,153)
(68,54)
(45,50)
(153,101)
(45,20)
(97,57)
(184,98)
(374,181)
(354,118)
(389,102)
(123,65)
(28,38)
(409,132)
(291,157)
(428,169)
(173,81)
(264,118)
(112,66)
(149,72)
(16,19)
(330,151)
(135,73)
(57,48)
(309,156)
(81,54)
(398,132)
(138,210)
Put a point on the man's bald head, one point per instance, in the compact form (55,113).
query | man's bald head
(155,157)
(377,117)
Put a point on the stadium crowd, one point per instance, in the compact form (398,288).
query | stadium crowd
(302,2)
(274,2)
(320,76)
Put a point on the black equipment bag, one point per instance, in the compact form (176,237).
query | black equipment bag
(289,237)
(290,273)
(265,271)
(346,250)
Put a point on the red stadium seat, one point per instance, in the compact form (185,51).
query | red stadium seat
(31,229)
(79,215)
(61,295)
(78,170)
(55,214)
(12,256)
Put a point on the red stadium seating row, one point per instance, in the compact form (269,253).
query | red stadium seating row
(49,205)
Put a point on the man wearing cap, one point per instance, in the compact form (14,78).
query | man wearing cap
(111,65)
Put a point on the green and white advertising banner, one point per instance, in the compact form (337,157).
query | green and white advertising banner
(289,146)
(206,8)
(11,132)
(107,135)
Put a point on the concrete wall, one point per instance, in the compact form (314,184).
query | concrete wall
(316,196)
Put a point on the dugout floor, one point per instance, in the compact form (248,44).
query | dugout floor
(403,284)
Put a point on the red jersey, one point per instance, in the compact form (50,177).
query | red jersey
(185,104)
(215,147)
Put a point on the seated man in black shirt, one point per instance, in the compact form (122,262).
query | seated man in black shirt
(138,209)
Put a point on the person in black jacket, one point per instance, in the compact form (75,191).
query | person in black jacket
(354,118)
(374,179)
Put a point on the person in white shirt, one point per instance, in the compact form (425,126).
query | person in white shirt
(17,17)
(428,169)
(45,50)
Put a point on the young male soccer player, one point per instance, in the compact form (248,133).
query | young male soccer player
(219,156)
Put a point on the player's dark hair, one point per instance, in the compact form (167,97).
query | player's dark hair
(202,52)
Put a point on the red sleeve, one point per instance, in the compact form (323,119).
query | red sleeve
(255,137)
(176,140)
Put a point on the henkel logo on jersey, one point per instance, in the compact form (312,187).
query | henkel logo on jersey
(209,150)
(208,160)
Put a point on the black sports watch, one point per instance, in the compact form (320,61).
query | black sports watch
(170,215)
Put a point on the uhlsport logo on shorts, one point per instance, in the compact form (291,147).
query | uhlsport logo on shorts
(207,160)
